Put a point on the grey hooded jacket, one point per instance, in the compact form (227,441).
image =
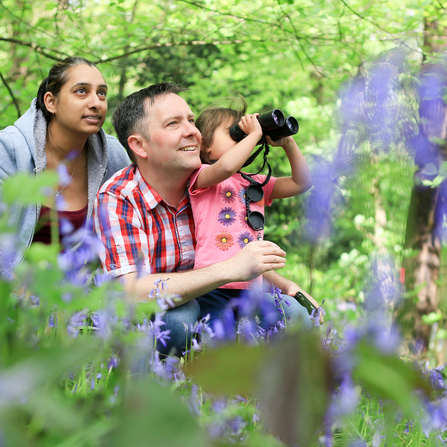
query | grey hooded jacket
(22,149)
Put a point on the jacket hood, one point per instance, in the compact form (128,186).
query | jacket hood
(25,124)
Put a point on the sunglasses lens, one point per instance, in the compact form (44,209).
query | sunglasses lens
(256,220)
(255,193)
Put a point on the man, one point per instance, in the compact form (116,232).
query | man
(144,218)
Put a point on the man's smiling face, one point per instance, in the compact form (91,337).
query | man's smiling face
(174,141)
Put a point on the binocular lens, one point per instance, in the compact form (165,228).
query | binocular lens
(277,117)
(273,123)
(292,124)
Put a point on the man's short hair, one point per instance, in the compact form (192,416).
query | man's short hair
(128,118)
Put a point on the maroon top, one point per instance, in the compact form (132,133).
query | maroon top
(43,228)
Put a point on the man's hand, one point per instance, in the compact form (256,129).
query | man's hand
(255,259)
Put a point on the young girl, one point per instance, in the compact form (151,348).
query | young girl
(218,192)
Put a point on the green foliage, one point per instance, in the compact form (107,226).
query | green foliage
(151,413)
(37,188)
(388,377)
(292,54)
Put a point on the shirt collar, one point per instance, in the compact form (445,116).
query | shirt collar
(151,196)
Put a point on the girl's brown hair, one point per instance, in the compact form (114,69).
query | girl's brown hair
(213,116)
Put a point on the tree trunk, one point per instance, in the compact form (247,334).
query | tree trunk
(424,221)
(422,269)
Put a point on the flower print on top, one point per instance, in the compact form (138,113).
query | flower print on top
(224,240)
(227,216)
(244,238)
(228,194)
(243,219)
(242,195)
(261,202)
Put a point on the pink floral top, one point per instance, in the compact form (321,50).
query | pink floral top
(220,220)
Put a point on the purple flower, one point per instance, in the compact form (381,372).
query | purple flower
(244,238)
(227,216)
(112,363)
(241,195)
(228,194)
(316,314)
(104,321)
(9,255)
(62,172)
(79,319)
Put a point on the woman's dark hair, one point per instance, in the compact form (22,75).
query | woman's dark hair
(213,116)
(57,78)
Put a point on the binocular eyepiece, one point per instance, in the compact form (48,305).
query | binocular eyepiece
(273,123)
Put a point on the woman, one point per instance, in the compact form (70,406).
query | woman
(63,126)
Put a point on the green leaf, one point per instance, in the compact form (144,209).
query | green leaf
(389,377)
(229,370)
(151,414)
(294,387)
(43,367)
(432,317)
(26,189)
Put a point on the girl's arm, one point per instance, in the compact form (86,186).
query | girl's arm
(233,159)
(301,180)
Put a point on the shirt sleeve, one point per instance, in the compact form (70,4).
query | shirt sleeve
(124,242)
(268,188)
(192,181)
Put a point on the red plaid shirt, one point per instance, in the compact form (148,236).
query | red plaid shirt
(139,230)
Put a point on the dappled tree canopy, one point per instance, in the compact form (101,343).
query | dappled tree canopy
(347,70)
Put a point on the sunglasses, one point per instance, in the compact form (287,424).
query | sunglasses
(254,193)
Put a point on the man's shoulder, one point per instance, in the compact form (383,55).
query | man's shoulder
(122,183)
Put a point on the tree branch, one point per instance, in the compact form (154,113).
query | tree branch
(35,47)
(19,19)
(246,19)
(376,25)
(169,44)
(298,38)
(14,100)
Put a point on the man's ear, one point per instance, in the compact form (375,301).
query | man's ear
(136,143)
(50,102)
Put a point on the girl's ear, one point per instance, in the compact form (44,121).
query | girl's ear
(50,102)
(205,155)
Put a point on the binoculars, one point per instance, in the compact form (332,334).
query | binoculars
(273,123)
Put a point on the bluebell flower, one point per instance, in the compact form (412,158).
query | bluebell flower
(194,399)
(316,314)
(62,172)
(113,363)
(65,227)
(358,443)
(104,322)
(8,255)
(79,319)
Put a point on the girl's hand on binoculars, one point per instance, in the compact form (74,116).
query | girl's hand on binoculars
(250,124)
(283,142)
